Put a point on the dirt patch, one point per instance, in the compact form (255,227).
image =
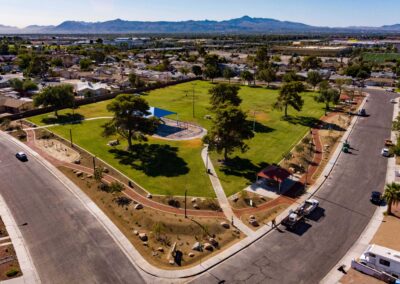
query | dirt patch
(356,277)
(163,230)
(87,160)
(58,150)
(388,233)
(246,199)
(264,217)
(198,203)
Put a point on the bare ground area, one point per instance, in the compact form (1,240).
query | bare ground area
(163,230)
(58,150)
(263,217)
(246,199)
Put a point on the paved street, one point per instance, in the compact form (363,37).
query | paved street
(307,255)
(66,242)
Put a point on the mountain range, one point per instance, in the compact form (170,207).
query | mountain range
(243,25)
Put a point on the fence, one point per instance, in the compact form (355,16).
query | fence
(96,99)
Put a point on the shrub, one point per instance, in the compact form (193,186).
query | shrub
(116,186)
(12,272)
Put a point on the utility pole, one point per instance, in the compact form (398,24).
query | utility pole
(94,163)
(70,138)
(193,98)
(185,202)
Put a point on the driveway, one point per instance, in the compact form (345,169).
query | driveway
(67,243)
(308,254)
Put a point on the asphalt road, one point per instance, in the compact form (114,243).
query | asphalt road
(309,253)
(66,242)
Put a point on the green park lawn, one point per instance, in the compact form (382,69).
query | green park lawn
(161,167)
(380,57)
(274,136)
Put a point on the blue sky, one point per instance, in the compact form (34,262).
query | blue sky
(314,12)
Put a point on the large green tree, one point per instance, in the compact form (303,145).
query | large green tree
(391,195)
(223,95)
(267,75)
(229,131)
(228,74)
(289,95)
(61,96)
(262,58)
(38,66)
(327,95)
(314,78)
(247,76)
(311,62)
(131,119)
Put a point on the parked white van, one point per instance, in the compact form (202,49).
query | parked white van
(382,259)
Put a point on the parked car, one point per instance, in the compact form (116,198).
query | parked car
(385,152)
(362,112)
(21,156)
(376,197)
(393,101)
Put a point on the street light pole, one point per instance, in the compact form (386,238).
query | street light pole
(70,137)
(185,202)
(193,99)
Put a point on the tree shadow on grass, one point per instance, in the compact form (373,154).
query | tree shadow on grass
(242,168)
(261,128)
(64,119)
(153,159)
(312,122)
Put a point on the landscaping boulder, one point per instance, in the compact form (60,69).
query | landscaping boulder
(172,262)
(143,237)
(208,246)
(149,196)
(194,199)
(196,206)
(254,222)
(225,225)
(106,170)
(89,176)
(138,206)
(191,254)
(77,161)
(79,174)
(135,232)
(213,242)
(160,249)
(252,217)
(197,246)
(146,244)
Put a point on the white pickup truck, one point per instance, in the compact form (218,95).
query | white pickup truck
(300,213)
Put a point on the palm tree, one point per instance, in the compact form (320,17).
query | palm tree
(391,195)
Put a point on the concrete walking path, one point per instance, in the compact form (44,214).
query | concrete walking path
(220,193)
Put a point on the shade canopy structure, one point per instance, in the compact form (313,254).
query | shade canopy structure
(275,173)
(159,112)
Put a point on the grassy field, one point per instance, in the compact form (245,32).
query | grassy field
(162,167)
(380,57)
(274,136)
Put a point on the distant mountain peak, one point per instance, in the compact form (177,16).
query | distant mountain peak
(245,24)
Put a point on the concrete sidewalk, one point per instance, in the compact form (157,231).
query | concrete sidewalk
(221,196)
(29,273)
